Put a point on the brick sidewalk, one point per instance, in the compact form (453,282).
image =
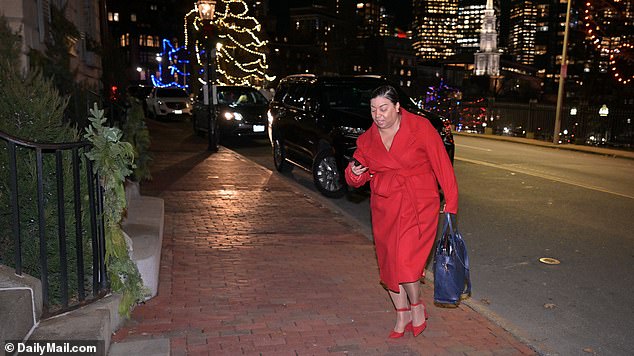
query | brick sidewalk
(252,265)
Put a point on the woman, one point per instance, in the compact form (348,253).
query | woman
(404,159)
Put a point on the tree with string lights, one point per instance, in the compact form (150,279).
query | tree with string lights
(242,54)
(609,28)
(240,50)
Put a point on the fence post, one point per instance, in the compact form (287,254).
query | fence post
(529,122)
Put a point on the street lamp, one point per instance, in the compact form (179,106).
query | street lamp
(562,76)
(206,9)
(604,111)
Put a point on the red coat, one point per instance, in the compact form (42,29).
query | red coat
(404,200)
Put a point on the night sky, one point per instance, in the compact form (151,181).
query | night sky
(402,9)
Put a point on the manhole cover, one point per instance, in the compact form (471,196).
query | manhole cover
(549,261)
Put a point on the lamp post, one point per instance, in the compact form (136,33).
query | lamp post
(562,76)
(206,9)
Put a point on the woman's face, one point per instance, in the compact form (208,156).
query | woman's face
(384,112)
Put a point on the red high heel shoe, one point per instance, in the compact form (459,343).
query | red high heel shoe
(408,327)
(417,330)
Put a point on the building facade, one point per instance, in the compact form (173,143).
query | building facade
(470,13)
(32,20)
(523,27)
(138,29)
(435,28)
(487,59)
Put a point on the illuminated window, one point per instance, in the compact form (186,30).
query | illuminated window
(153,7)
(113,16)
(133,17)
(124,40)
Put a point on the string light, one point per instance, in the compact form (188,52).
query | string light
(241,60)
(613,47)
(173,62)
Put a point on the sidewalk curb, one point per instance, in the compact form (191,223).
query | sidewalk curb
(614,153)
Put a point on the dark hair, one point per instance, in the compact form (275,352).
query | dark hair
(386,91)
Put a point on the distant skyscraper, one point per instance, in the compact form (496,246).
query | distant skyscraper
(469,24)
(367,16)
(487,60)
(523,24)
(434,29)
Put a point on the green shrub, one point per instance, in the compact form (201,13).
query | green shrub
(32,109)
(114,160)
(136,132)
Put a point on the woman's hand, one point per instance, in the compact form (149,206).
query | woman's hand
(357,169)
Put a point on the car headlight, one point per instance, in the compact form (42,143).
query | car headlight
(160,102)
(233,116)
(351,131)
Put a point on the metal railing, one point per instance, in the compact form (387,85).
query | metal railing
(580,124)
(67,201)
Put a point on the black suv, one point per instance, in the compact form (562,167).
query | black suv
(314,123)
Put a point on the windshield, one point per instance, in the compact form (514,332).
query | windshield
(240,97)
(354,97)
(171,93)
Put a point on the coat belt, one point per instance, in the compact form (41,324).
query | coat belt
(400,180)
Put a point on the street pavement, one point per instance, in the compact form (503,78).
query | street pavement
(253,264)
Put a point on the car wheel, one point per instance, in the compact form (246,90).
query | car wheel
(279,156)
(327,177)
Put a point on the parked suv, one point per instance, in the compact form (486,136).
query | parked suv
(168,103)
(314,123)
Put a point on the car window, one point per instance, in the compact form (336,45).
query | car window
(240,97)
(171,93)
(280,92)
(296,96)
(348,96)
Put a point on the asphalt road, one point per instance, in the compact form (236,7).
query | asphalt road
(519,203)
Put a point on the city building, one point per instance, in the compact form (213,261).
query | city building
(523,26)
(367,19)
(487,59)
(435,28)
(470,14)
(33,20)
(138,29)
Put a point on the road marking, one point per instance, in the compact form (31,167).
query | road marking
(475,148)
(542,175)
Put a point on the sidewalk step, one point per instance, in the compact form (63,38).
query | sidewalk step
(16,308)
(95,321)
(20,304)
(149,347)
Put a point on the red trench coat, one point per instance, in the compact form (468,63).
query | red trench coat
(404,197)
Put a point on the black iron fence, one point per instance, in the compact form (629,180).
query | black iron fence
(53,203)
(580,124)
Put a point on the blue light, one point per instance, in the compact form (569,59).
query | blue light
(173,63)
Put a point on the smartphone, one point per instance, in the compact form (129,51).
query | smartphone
(356,162)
